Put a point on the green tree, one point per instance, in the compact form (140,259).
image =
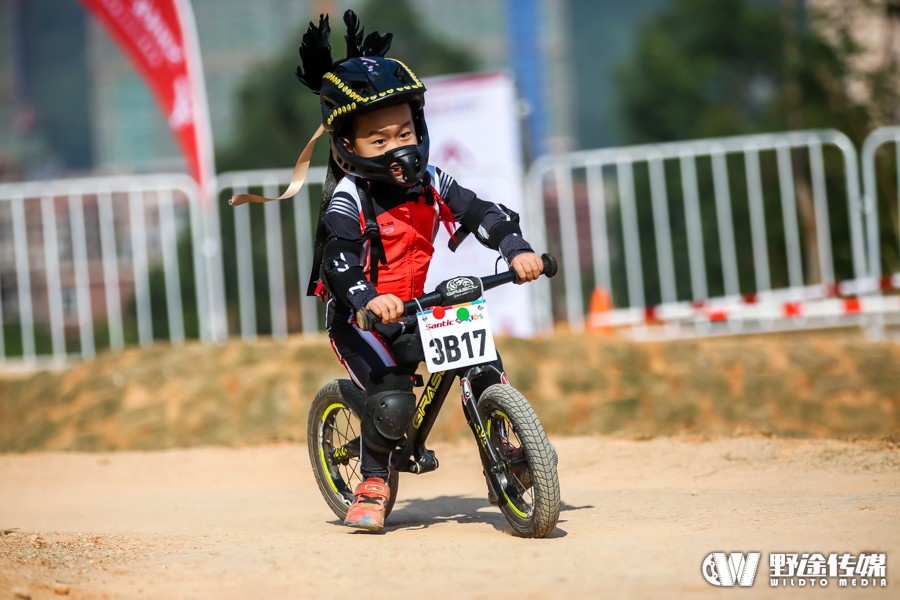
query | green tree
(732,67)
(735,67)
(702,69)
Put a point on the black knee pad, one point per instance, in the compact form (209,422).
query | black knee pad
(390,413)
(390,406)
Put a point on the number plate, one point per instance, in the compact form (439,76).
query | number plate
(457,336)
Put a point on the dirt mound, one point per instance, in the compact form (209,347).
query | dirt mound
(811,385)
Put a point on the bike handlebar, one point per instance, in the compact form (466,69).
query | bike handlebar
(366,319)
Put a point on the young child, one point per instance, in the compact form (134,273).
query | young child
(379,228)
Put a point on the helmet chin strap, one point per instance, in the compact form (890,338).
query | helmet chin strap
(298,177)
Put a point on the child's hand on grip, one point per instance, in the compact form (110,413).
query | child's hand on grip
(528,266)
(388,307)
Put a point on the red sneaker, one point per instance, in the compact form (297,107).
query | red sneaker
(367,510)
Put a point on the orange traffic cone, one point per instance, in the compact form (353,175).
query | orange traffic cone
(598,312)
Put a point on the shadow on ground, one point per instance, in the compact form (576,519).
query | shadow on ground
(421,513)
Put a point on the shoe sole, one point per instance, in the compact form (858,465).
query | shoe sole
(365,524)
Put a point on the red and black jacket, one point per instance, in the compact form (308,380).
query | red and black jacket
(407,220)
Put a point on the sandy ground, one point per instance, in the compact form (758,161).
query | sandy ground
(638,518)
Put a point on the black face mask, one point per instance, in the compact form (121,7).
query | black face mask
(412,160)
(409,159)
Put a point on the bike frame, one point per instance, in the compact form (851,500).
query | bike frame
(413,456)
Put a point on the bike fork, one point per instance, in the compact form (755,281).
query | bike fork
(489,455)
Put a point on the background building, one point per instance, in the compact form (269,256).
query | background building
(70,102)
(44,89)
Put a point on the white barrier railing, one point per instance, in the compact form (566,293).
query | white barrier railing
(871,145)
(271,182)
(554,177)
(77,255)
(73,251)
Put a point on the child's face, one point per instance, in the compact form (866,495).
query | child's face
(382,130)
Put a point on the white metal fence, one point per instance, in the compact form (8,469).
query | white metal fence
(278,255)
(873,143)
(680,234)
(77,258)
(691,206)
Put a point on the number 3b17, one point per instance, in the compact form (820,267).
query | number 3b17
(457,337)
(450,347)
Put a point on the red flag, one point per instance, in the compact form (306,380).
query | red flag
(160,39)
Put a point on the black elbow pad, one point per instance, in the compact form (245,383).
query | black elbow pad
(338,271)
(341,282)
(501,230)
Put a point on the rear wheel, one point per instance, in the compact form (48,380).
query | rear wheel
(332,438)
(527,484)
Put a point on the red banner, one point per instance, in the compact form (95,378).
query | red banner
(160,39)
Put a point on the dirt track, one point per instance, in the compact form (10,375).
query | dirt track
(637,520)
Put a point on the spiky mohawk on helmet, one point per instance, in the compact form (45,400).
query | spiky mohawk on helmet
(363,81)
(315,48)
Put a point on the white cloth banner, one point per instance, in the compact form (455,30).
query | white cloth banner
(475,138)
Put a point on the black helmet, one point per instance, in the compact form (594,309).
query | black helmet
(366,83)
(361,82)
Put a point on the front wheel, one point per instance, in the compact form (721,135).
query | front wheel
(332,437)
(526,484)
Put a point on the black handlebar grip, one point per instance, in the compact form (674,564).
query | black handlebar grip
(366,319)
(550,265)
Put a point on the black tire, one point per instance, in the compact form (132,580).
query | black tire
(332,437)
(530,497)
